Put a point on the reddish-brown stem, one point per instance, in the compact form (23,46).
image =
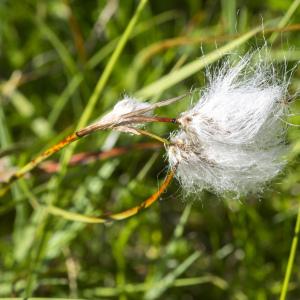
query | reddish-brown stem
(162,119)
(89,157)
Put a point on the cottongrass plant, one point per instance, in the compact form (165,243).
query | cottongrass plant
(231,140)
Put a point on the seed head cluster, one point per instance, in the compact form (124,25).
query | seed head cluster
(121,110)
(233,138)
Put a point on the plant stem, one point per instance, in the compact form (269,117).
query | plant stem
(68,140)
(110,65)
(85,158)
(128,121)
(34,162)
(112,217)
(152,135)
(291,259)
(286,18)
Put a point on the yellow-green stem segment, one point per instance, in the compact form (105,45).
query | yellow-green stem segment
(291,260)
(112,217)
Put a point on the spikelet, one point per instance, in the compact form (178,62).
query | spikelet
(121,109)
(232,139)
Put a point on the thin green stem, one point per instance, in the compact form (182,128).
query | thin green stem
(55,181)
(99,88)
(286,18)
(109,67)
(291,260)
(152,135)
(191,68)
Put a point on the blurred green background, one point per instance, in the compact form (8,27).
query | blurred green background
(51,57)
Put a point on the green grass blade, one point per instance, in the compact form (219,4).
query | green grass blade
(291,259)
(102,82)
(191,68)
(55,181)
(143,287)
(62,51)
(64,97)
(102,53)
(167,281)
(110,66)
(292,9)
(229,15)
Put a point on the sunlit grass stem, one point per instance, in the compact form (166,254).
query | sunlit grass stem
(291,260)
(113,217)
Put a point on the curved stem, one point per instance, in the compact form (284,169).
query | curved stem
(113,217)
(57,147)
(34,162)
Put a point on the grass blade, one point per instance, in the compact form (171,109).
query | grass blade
(191,68)
(291,259)
(168,281)
(109,67)
(285,19)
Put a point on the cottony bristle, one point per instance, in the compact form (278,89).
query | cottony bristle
(233,138)
(123,107)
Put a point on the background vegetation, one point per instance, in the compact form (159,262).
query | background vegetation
(53,54)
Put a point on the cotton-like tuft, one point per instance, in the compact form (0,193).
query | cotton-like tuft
(232,139)
(121,109)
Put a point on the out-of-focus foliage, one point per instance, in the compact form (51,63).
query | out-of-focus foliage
(52,54)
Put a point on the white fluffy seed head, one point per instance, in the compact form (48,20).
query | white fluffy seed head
(232,139)
(123,107)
